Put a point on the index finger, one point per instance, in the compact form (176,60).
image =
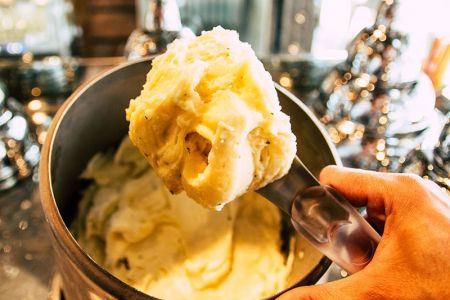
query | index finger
(362,188)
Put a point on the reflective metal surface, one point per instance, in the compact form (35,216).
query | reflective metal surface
(19,153)
(283,191)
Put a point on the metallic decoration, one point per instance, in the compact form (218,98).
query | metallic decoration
(19,153)
(158,25)
(35,41)
(300,76)
(441,158)
(31,93)
(50,77)
(348,92)
(41,85)
(432,164)
(372,114)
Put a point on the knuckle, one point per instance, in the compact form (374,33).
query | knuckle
(327,171)
(411,180)
(412,189)
(330,168)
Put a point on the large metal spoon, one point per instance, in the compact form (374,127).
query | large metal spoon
(324,217)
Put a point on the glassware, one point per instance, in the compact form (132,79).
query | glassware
(158,25)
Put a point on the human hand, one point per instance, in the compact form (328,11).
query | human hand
(412,260)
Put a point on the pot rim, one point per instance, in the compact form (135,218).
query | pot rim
(95,272)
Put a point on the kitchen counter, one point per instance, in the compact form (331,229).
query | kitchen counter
(26,259)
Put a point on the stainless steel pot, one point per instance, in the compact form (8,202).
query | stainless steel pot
(92,120)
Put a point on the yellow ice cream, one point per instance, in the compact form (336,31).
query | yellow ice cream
(209,122)
(170,247)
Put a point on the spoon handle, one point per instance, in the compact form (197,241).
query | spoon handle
(334,226)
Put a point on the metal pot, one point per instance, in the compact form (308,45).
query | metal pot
(92,120)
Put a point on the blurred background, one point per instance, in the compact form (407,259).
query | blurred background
(375,72)
(351,61)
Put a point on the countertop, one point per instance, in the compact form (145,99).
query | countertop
(26,260)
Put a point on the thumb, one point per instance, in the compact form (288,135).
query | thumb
(351,287)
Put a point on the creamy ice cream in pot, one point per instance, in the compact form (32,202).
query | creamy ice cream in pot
(65,160)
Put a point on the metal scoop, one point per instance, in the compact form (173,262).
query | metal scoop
(324,217)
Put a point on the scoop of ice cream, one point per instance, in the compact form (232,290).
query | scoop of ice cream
(209,122)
